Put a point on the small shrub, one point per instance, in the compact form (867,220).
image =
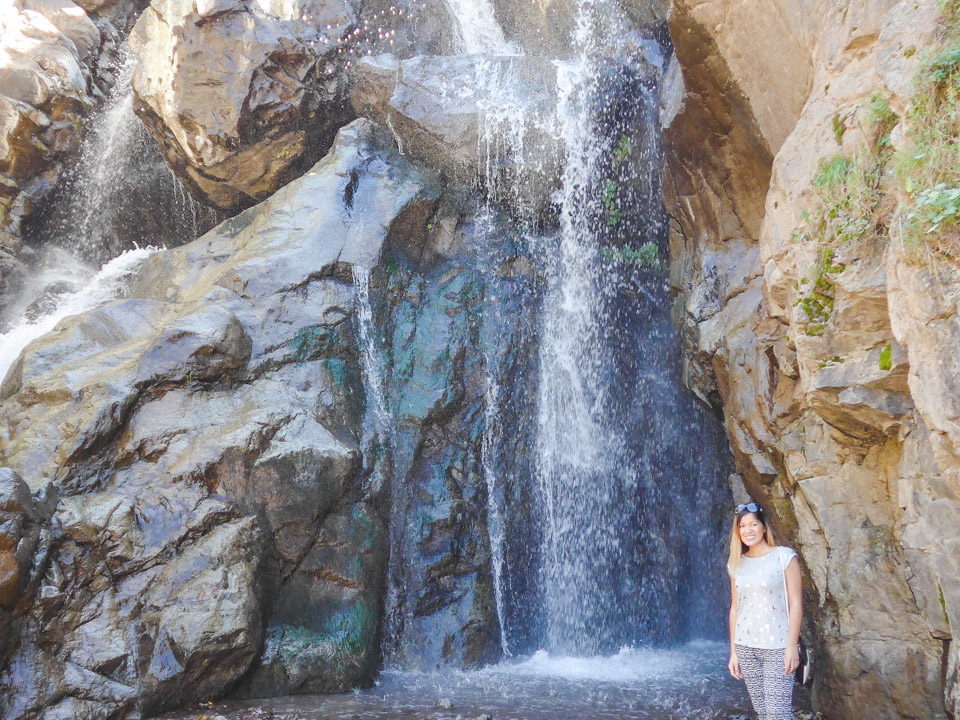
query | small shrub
(621,150)
(884,360)
(609,198)
(838,129)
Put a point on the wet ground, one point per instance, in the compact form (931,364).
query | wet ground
(686,683)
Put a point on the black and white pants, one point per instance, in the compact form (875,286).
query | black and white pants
(771,692)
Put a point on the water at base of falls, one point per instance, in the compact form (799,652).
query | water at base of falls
(685,683)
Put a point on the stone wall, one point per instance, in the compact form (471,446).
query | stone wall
(848,431)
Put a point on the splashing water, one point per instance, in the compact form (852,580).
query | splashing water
(479,30)
(577,452)
(104,286)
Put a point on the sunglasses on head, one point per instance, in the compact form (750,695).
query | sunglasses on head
(748,507)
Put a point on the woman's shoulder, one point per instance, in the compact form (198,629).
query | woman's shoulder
(786,554)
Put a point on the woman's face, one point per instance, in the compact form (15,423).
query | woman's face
(751,530)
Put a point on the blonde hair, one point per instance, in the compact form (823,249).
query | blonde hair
(737,548)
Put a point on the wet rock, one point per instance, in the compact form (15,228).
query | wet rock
(204,434)
(12,274)
(200,625)
(444,339)
(239,100)
(457,114)
(60,58)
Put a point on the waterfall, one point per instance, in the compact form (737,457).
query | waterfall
(618,472)
(495,529)
(370,358)
(104,161)
(575,448)
(104,286)
(116,206)
(479,30)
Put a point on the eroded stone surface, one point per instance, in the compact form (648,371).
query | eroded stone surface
(239,99)
(845,430)
(204,433)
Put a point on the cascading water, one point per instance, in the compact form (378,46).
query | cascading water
(118,203)
(479,30)
(617,490)
(495,529)
(121,193)
(370,360)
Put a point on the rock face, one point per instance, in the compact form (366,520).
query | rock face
(239,101)
(204,432)
(47,50)
(464,114)
(450,327)
(844,422)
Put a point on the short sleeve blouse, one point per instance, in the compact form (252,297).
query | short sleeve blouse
(762,618)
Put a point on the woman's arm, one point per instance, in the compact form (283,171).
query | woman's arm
(734,665)
(791,658)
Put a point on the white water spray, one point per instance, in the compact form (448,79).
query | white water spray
(495,529)
(105,285)
(370,361)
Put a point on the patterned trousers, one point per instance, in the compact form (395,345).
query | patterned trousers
(771,692)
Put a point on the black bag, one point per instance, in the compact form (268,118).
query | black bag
(803,673)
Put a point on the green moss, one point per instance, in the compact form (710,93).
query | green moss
(838,128)
(884,360)
(315,341)
(835,360)
(817,303)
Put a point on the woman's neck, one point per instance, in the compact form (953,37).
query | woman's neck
(758,550)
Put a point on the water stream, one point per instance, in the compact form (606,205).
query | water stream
(118,204)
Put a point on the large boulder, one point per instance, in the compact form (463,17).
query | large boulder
(240,101)
(203,431)
(471,117)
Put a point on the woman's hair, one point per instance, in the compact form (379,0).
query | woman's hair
(737,548)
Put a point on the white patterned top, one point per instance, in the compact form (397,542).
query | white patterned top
(762,619)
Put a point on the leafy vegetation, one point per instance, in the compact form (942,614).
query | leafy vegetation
(646,256)
(611,212)
(928,169)
(817,303)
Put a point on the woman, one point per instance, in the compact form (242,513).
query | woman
(765,613)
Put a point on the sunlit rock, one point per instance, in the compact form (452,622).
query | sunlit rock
(835,370)
(239,100)
(472,118)
(203,431)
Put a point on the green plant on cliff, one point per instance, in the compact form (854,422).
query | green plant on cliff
(611,211)
(928,168)
(646,256)
(883,361)
(817,302)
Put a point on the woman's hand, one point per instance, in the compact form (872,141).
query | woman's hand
(791,659)
(734,665)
